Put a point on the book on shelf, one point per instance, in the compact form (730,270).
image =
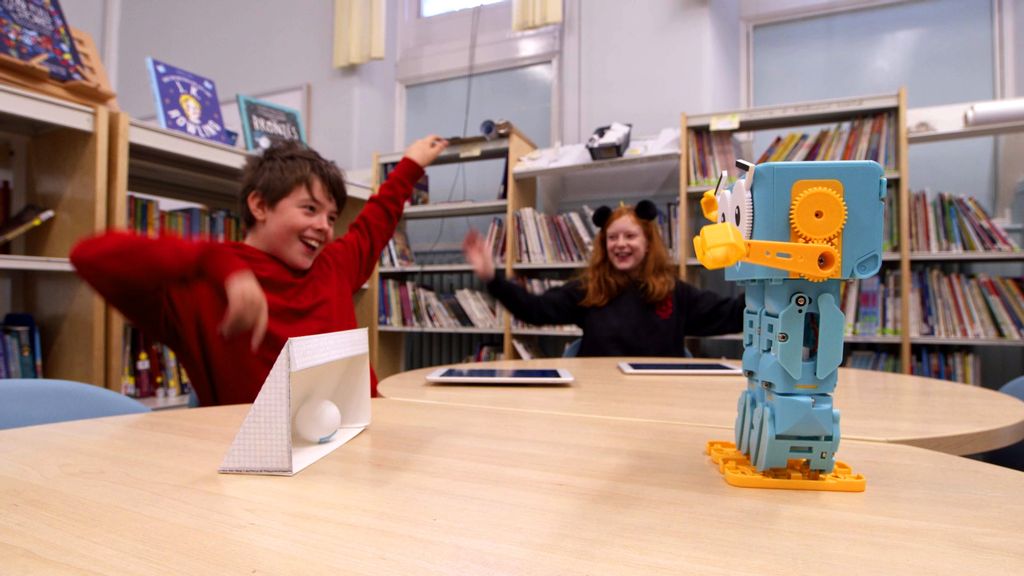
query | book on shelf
(398,253)
(26,219)
(960,306)
(149,368)
(265,123)
(186,102)
(948,223)
(36,31)
(21,354)
(526,349)
(863,138)
(146,217)
(404,303)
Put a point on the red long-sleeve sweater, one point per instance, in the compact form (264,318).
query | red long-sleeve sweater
(173,290)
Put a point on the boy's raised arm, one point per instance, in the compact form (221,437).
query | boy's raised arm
(376,223)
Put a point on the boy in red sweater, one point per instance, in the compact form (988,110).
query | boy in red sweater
(226,309)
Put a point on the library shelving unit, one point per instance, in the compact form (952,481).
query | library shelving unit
(774,119)
(150,160)
(57,155)
(388,343)
(943,124)
(638,174)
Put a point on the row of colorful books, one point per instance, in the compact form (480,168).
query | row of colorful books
(865,138)
(21,354)
(150,368)
(872,305)
(711,153)
(146,217)
(568,237)
(949,223)
(404,303)
(970,307)
(953,365)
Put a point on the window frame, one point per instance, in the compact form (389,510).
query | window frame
(437,48)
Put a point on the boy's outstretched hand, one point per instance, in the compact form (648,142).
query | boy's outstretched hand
(247,307)
(478,255)
(425,150)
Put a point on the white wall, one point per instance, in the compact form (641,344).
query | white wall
(648,66)
(255,46)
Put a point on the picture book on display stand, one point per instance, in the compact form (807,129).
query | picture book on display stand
(265,123)
(316,398)
(186,102)
(36,31)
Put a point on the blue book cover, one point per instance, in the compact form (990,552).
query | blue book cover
(30,29)
(265,123)
(186,102)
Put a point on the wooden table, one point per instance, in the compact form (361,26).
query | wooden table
(874,406)
(443,489)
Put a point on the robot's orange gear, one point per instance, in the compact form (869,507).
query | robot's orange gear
(818,214)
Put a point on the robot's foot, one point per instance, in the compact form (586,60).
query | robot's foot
(738,471)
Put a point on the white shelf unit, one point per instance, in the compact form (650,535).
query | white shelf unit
(643,174)
(947,123)
(56,153)
(388,343)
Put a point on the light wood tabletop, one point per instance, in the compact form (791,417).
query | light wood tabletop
(873,406)
(444,489)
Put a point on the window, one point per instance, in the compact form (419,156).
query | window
(430,8)
(941,50)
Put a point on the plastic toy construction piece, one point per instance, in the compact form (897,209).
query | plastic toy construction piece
(738,471)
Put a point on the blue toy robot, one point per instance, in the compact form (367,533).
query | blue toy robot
(789,232)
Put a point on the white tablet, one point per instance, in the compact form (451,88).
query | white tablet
(695,368)
(500,376)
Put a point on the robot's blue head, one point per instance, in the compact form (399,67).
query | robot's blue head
(818,220)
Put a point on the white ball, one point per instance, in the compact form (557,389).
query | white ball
(317,421)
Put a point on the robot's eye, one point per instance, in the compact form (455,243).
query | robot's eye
(736,215)
(722,219)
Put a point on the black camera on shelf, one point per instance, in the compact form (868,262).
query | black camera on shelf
(615,148)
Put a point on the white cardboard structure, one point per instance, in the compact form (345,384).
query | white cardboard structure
(333,366)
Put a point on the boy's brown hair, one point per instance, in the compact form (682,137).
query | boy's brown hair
(602,281)
(285,165)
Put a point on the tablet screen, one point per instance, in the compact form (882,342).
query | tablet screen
(678,368)
(500,373)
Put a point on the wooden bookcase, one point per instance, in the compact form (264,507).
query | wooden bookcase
(387,343)
(58,157)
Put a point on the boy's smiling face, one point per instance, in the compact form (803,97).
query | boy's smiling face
(297,228)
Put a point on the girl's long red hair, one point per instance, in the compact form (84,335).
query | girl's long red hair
(602,281)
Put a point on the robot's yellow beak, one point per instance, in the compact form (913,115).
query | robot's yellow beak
(719,245)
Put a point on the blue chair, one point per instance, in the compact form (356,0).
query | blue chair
(1011,456)
(31,401)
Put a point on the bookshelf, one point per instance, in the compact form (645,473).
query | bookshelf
(944,124)
(842,115)
(650,169)
(388,343)
(56,153)
(149,160)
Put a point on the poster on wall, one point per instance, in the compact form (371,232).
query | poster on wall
(265,123)
(186,102)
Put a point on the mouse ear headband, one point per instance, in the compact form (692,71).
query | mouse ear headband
(644,210)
